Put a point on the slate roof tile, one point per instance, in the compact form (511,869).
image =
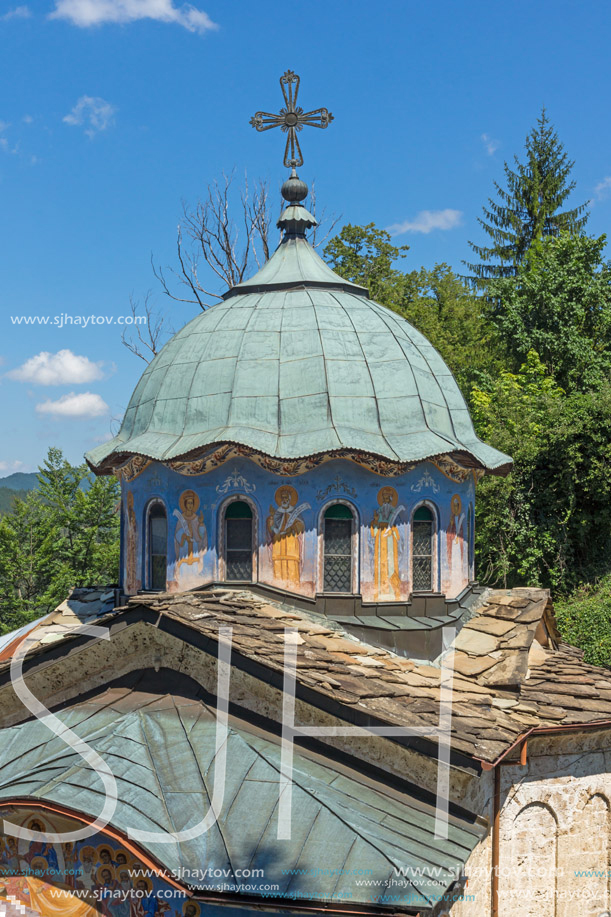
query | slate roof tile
(498,695)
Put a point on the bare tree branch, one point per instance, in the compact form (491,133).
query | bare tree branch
(316,239)
(259,215)
(228,239)
(225,236)
(146,344)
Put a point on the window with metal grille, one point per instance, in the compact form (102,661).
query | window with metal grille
(337,543)
(238,541)
(422,549)
(157,546)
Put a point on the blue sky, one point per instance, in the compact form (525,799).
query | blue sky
(115,111)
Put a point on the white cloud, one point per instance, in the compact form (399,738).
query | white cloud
(603,188)
(61,368)
(86,13)
(6,147)
(4,144)
(490,144)
(20,12)
(428,220)
(27,119)
(10,467)
(87,404)
(92,112)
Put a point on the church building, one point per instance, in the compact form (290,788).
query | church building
(299,698)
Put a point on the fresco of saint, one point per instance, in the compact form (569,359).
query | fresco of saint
(132,583)
(86,873)
(123,906)
(70,864)
(146,904)
(9,856)
(190,536)
(40,849)
(121,858)
(386,543)
(285,530)
(455,531)
(106,887)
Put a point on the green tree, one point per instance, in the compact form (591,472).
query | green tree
(366,255)
(28,563)
(549,522)
(529,208)
(62,535)
(584,619)
(85,510)
(443,307)
(559,304)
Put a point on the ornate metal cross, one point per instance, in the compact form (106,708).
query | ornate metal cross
(291,119)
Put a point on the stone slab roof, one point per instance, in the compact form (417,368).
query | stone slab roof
(511,673)
(505,682)
(81,607)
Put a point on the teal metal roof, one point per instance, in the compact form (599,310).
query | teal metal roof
(295,264)
(295,362)
(161,748)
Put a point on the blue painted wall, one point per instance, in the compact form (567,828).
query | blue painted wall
(196,504)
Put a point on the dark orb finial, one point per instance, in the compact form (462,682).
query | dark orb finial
(294,190)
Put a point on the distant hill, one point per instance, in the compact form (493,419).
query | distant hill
(6,499)
(18,485)
(20,481)
(15,485)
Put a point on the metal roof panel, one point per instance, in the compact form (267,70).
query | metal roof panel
(255,344)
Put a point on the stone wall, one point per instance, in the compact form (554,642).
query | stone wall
(555,827)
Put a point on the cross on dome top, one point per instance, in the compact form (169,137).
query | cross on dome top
(291,119)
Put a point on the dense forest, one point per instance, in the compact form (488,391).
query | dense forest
(526,330)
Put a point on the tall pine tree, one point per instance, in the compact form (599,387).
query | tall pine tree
(529,209)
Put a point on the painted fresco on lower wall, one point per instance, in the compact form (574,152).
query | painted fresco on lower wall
(95,877)
(457,544)
(131,564)
(288,525)
(190,539)
(285,531)
(386,558)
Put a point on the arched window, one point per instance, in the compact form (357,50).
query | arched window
(238,541)
(157,546)
(423,534)
(338,526)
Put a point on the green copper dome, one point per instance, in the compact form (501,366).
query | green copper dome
(296,362)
